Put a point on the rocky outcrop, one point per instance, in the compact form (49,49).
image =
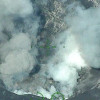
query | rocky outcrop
(52,22)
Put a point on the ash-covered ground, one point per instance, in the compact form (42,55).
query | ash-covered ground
(49,46)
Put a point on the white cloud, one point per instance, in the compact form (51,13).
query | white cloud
(64,65)
(15,7)
(17,61)
(85,26)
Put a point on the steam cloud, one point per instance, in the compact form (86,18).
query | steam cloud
(15,44)
(66,63)
(85,26)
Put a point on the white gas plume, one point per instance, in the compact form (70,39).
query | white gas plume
(13,7)
(16,59)
(65,64)
(84,24)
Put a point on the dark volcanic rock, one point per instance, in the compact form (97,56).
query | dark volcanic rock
(90,3)
(93,94)
(87,3)
(89,87)
(6,95)
(35,70)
